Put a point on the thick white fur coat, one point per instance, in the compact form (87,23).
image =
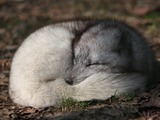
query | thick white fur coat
(43,62)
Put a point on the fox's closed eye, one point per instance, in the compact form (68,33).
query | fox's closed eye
(96,64)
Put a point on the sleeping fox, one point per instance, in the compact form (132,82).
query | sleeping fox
(82,60)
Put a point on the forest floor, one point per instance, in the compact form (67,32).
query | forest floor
(19,18)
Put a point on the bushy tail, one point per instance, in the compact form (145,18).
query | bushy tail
(101,86)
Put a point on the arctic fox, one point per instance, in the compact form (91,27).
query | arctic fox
(82,60)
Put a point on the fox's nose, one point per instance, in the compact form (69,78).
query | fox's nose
(69,81)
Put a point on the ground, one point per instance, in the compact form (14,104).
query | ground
(19,18)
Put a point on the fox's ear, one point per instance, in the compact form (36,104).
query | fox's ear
(124,43)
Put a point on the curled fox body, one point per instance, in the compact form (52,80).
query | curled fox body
(83,60)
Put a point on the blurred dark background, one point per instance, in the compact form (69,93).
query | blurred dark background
(18,18)
(21,16)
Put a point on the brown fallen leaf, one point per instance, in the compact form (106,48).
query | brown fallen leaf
(4,97)
(5,64)
(142,7)
(140,11)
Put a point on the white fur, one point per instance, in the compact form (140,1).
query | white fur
(43,61)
